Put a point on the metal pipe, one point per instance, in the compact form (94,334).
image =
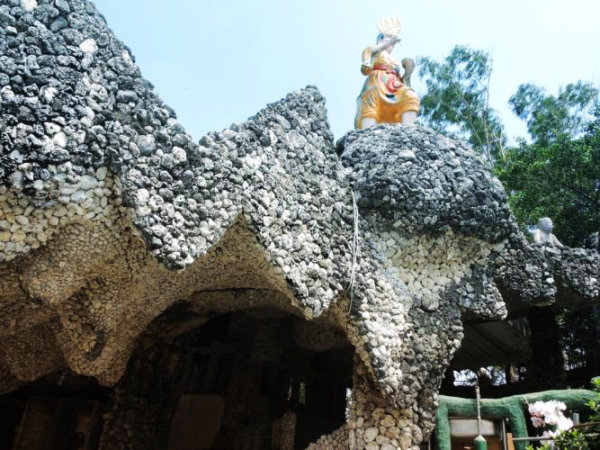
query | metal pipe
(536,438)
(480,443)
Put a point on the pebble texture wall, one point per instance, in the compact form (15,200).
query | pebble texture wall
(110,213)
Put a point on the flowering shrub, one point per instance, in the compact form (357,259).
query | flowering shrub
(550,417)
(566,437)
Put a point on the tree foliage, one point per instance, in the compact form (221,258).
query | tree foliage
(558,180)
(580,334)
(558,174)
(548,116)
(457,100)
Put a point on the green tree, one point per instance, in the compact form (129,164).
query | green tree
(558,173)
(457,100)
(548,116)
(555,174)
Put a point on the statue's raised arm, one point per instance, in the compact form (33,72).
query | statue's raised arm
(386,96)
(386,44)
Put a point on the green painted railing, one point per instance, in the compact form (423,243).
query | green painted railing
(513,408)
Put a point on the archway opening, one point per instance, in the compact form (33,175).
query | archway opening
(253,379)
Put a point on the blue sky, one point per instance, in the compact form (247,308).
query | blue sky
(217,62)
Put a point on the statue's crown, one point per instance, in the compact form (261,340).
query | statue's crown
(390,25)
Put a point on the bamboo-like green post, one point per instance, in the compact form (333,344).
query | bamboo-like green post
(480,443)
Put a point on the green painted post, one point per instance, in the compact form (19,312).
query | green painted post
(442,428)
(514,408)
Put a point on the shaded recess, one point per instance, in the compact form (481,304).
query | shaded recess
(58,411)
(259,378)
(254,379)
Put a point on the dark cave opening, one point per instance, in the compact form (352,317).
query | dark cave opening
(254,379)
(248,384)
(57,412)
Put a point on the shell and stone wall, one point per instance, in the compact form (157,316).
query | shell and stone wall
(110,213)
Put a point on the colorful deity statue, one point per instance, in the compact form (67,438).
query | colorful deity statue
(386,96)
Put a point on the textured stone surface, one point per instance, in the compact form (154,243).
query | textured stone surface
(536,275)
(420,182)
(110,214)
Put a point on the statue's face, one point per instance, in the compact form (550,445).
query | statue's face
(545,224)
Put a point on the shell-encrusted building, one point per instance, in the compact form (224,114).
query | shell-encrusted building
(262,288)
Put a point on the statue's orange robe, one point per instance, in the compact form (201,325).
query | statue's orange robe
(384,96)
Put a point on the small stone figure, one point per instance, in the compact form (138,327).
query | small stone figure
(543,234)
(386,96)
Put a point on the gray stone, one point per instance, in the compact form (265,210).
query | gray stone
(146,144)
(59,24)
(101,173)
(63,5)
(87,182)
